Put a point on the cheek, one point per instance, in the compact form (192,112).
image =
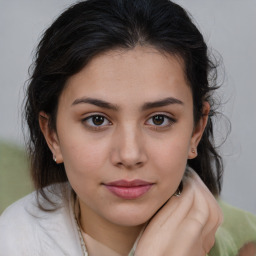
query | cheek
(83,156)
(84,163)
(170,159)
(172,151)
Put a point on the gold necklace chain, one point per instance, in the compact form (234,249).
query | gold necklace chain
(76,213)
(85,253)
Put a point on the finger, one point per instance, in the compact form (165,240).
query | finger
(215,216)
(176,208)
(215,213)
(200,211)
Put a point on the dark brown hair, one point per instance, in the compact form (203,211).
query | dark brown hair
(94,26)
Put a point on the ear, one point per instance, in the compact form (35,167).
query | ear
(198,131)
(50,137)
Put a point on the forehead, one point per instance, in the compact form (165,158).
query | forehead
(141,73)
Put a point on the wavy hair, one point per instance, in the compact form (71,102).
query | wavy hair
(91,27)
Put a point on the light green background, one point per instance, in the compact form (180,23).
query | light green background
(14,174)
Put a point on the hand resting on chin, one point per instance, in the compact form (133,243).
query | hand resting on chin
(185,225)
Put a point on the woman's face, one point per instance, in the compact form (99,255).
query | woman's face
(124,132)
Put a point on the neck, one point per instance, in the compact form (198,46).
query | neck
(116,237)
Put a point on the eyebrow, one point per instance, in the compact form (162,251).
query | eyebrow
(146,106)
(161,103)
(96,102)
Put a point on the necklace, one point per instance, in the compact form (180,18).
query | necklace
(85,253)
(76,213)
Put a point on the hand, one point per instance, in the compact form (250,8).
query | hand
(185,225)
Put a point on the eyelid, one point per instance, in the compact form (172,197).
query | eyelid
(166,115)
(90,114)
(95,128)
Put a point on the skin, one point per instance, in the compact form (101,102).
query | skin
(185,225)
(129,144)
(248,250)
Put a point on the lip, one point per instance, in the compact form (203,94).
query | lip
(129,189)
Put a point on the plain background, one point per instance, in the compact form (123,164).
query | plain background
(228,27)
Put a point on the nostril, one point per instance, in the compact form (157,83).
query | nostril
(119,164)
(139,164)
(129,166)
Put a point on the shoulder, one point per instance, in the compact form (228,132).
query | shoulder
(26,229)
(27,209)
(237,230)
(18,212)
(16,223)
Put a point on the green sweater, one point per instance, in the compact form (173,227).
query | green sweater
(237,230)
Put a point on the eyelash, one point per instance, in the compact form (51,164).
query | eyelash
(170,121)
(89,122)
(95,127)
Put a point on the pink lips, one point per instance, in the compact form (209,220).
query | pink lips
(129,189)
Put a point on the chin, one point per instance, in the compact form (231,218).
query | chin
(130,218)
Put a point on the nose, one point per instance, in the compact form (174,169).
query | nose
(129,148)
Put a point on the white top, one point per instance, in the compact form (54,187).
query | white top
(27,230)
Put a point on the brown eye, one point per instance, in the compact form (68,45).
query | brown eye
(98,120)
(158,120)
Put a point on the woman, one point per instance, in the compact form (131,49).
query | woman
(119,109)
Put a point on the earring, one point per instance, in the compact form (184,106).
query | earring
(193,150)
(54,158)
(179,189)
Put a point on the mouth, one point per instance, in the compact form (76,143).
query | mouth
(129,189)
